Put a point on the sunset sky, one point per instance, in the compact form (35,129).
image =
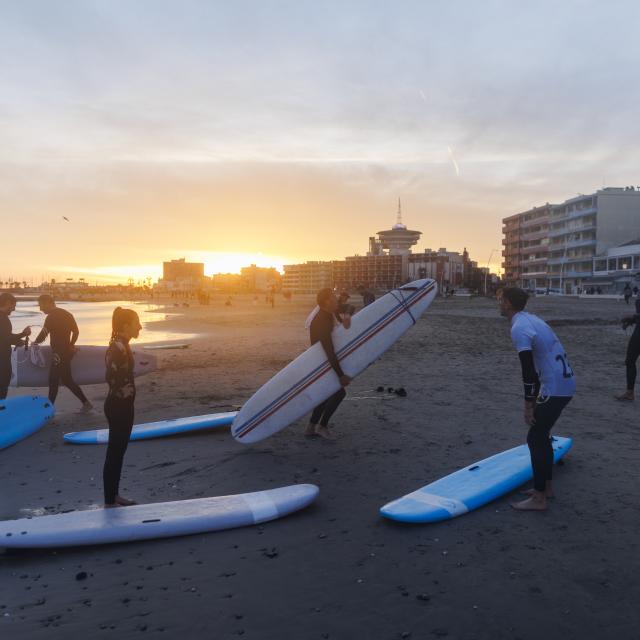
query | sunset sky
(274,132)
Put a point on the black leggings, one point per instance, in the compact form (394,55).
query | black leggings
(633,351)
(323,412)
(60,371)
(119,414)
(539,440)
(5,379)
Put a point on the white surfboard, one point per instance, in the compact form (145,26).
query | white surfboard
(310,380)
(22,416)
(471,487)
(87,366)
(158,429)
(161,520)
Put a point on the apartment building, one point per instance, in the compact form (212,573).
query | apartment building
(555,245)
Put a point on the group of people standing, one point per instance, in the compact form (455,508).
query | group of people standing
(547,376)
(62,330)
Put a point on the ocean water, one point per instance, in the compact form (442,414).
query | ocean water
(94,320)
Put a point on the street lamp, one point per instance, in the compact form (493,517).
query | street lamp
(486,273)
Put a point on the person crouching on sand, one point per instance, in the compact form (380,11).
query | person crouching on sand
(320,331)
(549,385)
(118,407)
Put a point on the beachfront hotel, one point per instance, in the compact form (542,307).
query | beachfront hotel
(558,246)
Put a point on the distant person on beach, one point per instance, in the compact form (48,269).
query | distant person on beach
(345,310)
(63,331)
(119,404)
(367,295)
(549,385)
(320,330)
(7,340)
(626,292)
(633,351)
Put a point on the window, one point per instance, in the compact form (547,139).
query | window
(611,264)
(601,265)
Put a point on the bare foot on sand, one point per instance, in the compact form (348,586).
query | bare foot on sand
(548,490)
(124,502)
(627,395)
(310,431)
(325,432)
(537,502)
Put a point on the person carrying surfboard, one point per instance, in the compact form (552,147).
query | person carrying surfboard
(7,340)
(549,385)
(119,404)
(320,330)
(63,330)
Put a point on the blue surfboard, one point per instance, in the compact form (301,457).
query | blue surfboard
(156,429)
(471,487)
(22,416)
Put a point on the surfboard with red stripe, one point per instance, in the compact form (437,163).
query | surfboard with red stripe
(310,380)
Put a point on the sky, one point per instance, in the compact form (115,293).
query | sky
(275,132)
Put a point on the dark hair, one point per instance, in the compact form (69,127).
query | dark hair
(516,297)
(45,297)
(323,295)
(120,318)
(7,298)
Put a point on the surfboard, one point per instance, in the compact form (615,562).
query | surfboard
(161,520)
(22,416)
(471,487)
(310,380)
(87,366)
(158,429)
(158,347)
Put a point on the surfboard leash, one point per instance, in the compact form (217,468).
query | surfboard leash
(403,304)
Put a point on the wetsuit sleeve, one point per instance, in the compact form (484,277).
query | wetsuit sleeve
(75,332)
(327,345)
(530,379)
(42,336)
(9,338)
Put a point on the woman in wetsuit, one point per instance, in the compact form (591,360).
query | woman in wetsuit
(118,407)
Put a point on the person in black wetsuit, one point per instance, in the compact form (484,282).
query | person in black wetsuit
(119,404)
(7,340)
(633,351)
(320,331)
(61,326)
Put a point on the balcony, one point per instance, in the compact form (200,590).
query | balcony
(555,233)
(559,246)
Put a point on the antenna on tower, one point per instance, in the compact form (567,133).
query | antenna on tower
(399,212)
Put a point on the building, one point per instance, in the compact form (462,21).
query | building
(309,277)
(447,268)
(526,247)
(259,279)
(384,271)
(397,241)
(555,245)
(614,269)
(179,275)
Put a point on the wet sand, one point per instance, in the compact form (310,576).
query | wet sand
(337,570)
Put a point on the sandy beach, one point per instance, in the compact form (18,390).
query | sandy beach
(337,570)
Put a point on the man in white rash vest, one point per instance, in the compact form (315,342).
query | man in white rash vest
(549,385)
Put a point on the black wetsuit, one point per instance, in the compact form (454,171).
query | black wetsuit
(7,340)
(119,410)
(61,326)
(633,350)
(320,331)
